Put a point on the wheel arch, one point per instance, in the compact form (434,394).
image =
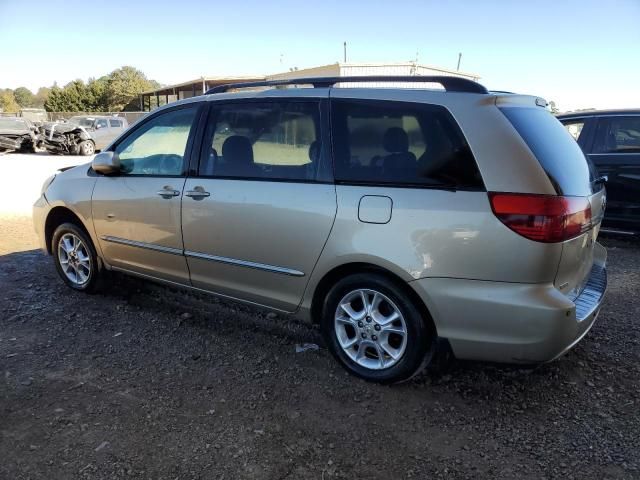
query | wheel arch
(341,271)
(56,217)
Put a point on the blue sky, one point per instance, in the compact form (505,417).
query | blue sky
(578,53)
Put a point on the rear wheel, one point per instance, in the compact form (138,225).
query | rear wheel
(75,258)
(375,330)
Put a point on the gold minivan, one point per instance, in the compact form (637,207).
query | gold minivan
(392,217)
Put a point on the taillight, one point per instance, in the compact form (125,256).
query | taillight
(543,218)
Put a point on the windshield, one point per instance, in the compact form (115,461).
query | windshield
(13,123)
(82,121)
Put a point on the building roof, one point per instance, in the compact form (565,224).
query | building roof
(210,81)
(410,64)
(320,70)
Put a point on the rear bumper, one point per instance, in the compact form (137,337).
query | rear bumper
(509,322)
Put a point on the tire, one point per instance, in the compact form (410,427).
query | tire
(371,346)
(87,148)
(75,258)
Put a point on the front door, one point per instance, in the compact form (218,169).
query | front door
(137,212)
(616,153)
(257,216)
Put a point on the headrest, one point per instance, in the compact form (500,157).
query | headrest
(395,140)
(237,149)
(314,151)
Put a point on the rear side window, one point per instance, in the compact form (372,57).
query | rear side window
(271,141)
(115,123)
(403,144)
(618,135)
(555,148)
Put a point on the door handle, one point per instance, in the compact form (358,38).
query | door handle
(168,192)
(197,193)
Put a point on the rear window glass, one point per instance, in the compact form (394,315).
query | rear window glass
(404,144)
(555,148)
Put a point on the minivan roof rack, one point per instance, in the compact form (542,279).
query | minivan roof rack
(450,84)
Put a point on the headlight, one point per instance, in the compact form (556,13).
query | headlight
(46,183)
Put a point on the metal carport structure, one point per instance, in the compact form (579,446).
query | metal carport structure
(171,93)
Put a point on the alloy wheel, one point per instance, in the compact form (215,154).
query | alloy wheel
(73,256)
(370,329)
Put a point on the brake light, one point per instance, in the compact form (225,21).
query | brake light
(543,218)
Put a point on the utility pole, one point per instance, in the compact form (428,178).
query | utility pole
(344,46)
(459,58)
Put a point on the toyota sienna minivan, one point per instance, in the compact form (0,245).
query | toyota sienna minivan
(394,218)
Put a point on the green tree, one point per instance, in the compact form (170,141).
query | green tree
(124,85)
(97,94)
(24,97)
(41,97)
(73,97)
(8,102)
(114,92)
(54,101)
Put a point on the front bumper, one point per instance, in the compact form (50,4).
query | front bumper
(40,211)
(510,322)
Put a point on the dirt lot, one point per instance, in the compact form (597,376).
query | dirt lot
(147,382)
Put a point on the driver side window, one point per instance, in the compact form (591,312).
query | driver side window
(158,146)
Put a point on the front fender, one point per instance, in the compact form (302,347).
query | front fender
(73,189)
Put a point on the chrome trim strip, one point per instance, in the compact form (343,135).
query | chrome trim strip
(148,246)
(204,256)
(245,263)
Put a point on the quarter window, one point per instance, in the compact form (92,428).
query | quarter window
(618,135)
(275,140)
(158,146)
(574,128)
(400,144)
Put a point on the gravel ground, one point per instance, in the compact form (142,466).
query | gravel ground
(143,381)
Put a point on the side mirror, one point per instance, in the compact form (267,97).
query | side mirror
(97,126)
(106,163)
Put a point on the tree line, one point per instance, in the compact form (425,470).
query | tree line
(115,92)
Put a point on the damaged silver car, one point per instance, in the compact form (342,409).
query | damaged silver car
(18,134)
(82,135)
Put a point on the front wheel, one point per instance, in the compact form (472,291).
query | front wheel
(87,148)
(375,330)
(75,258)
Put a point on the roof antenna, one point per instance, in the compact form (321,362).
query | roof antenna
(459,58)
(344,46)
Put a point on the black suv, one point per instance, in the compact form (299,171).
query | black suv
(611,140)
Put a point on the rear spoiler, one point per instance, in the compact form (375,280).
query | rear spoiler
(516,100)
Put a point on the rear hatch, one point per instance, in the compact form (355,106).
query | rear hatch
(574,178)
